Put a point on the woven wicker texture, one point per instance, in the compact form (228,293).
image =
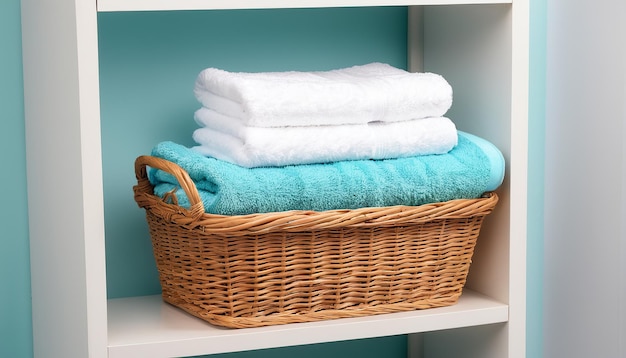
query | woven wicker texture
(299,266)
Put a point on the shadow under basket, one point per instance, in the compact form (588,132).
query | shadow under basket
(300,266)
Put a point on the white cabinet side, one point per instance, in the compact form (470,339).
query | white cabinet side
(519,178)
(64,178)
(485,57)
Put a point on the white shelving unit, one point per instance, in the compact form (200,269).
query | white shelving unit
(481,46)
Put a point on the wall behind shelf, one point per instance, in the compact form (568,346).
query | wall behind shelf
(148,64)
(15,308)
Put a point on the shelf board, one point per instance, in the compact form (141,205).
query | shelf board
(147,327)
(162,5)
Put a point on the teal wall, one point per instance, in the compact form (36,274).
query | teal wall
(145,100)
(368,35)
(15,316)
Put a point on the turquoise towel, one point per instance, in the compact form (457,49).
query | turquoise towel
(228,189)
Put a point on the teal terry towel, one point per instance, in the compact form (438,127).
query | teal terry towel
(228,189)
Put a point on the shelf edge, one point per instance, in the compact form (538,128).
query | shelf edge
(132,323)
(176,5)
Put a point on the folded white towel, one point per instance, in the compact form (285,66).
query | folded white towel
(228,139)
(354,95)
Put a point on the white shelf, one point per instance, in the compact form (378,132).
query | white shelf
(482,50)
(159,5)
(147,327)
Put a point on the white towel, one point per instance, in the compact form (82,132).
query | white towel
(374,92)
(228,139)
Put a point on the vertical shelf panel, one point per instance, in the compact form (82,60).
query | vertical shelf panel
(64,178)
(485,57)
(481,42)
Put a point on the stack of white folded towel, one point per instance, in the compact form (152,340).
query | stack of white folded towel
(373,111)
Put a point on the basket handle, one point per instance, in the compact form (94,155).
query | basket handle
(185,182)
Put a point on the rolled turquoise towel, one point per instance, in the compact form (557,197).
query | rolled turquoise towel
(464,172)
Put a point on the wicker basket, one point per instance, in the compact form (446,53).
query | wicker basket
(299,266)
